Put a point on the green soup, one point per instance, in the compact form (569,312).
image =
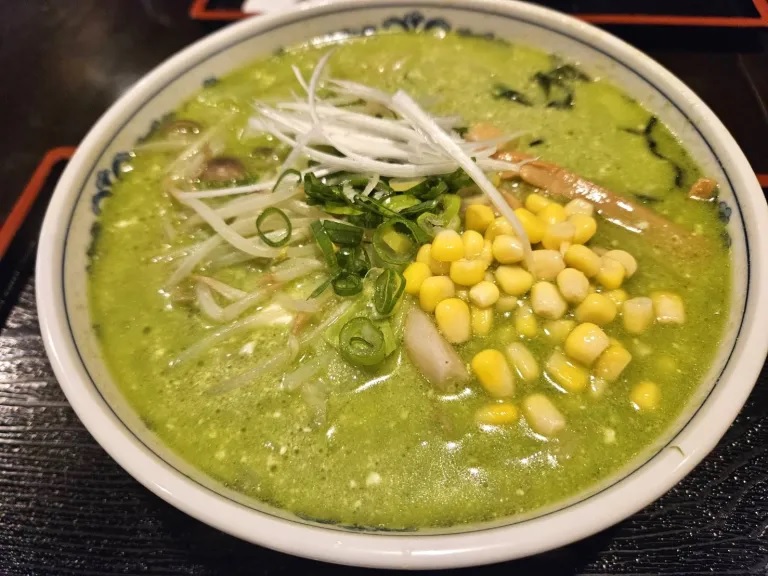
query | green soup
(380,447)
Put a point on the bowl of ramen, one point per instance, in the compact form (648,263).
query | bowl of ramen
(407,284)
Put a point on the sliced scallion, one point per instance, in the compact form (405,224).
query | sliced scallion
(324,243)
(388,288)
(395,243)
(400,202)
(263,220)
(343,234)
(353,259)
(289,172)
(361,342)
(347,284)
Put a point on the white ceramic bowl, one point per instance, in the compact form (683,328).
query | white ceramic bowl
(74,353)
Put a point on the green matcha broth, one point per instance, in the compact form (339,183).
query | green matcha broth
(380,447)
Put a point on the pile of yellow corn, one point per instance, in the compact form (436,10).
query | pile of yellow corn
(469,279)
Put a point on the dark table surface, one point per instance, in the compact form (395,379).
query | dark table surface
(67,508)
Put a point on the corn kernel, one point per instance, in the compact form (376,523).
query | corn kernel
(625,259)
(506,303)
(468,272)
(478,217)
(542,415)
(618,296)
(434,290)
(484,294)
(447,246)
(482,320)
(668,308)
(645,395)
(453,320)
(552,213)
(523,361)
(597,309)
(487,252)
(473,244)
(611,363)
(585,227)
(573,285)
(556,234)
(557,330)
(637,315)
(507,249)
(547,301)
(498,227)
(566,374)
(534,228)
(611,273)
(586,342)
(536,202)
(425,255)
(579,206)
(496,414)
(525,322)
(414,275)
(547,264)
(514,280)
(582,258)
(492,370)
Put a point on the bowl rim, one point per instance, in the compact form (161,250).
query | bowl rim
(387,550)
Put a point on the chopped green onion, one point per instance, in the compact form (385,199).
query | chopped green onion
(318,192)
(374,206)
(420,208)
(343,234)
(458,180)
(325,244)
(395,243)
(416,232)
(289,172)
(320,289)
(366,220)
(361,342)
(429,189)
(341,209)
(448,218)
(403,184)
(353,259)
(388,288)
(261,221)
(347,284)
(400,202)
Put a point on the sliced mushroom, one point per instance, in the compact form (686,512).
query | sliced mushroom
(182,129)
(223,169)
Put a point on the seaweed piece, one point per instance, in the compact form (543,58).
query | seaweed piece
(544,81)
(557,84)
(653,148)
(537,142)
(502,92)
(569,72)
(564,103)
